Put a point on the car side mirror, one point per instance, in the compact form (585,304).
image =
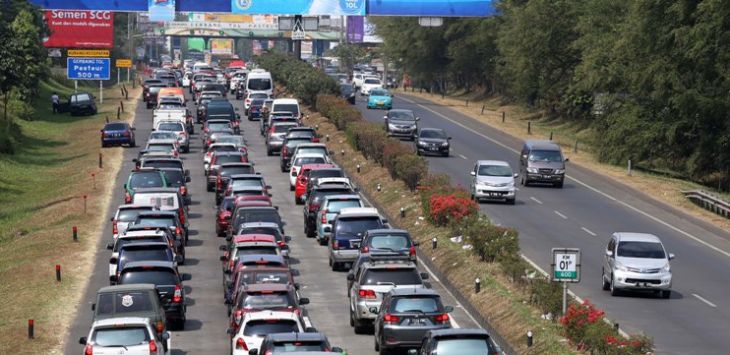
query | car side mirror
(230,331)
(109,246)
(253,352)
(113,279)
(187,172)
(427,285)
(515,175)
(424,275)
(472,173)
(226,271)
(166,336)
(82,340)
(238,116)
(101,130)
(385,117)
(113,260)
(133,128)
(124,186)
(418,118)
(293,173)
(303,301)
(297,286)
(327,229)
(187,179)
(448,309)
(448,138)
(350,277)
(609,253)
(524,156)
(268,187)
(222,248)
(336,349)
(415,244)
(275,207)
(179,259)
(412,352)
(671,256)
(93,307)
(228,238)
(385,221)
(186,277)
(223,258)
(310,330)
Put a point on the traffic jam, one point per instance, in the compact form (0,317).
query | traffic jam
(146,301)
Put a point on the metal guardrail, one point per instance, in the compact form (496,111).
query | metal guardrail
(709,202)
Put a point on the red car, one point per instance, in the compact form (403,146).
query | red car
(223,216)
(246,241)
(300,184)
(259,274)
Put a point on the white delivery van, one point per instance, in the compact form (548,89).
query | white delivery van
(259,80)
(286,105)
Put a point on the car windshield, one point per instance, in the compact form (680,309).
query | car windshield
(257,250)
(648,250)
(163,135)
(299,346)
(351,227)
(259,84)
(171,126)
(372,81)
(401,115)
(127,302)
(118,337)
(546,156)
(245,183)
(175,178)
(390,242)
(156,277)
(268,301)
(82,97)
(309,160)
(334,206)
(379,93)
(265,277)
(264,327)
(146,179)
(293,108)
(138,254)
(495,170)
(115,127)
(411,304)
(281,128)
(402,276)
(432,133)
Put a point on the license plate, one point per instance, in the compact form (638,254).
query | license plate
(418,321)
(495,194)
(546,176)
(433,148)
(380,103)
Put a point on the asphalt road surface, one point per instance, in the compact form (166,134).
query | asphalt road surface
(205,329)
(583,215)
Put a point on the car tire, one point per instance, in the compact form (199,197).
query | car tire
(666,294)
(376,345)
(612,288)
(269,152)
(133,144)
(604,284)
(352,319)
(359,327)
(296,200)
(446,155)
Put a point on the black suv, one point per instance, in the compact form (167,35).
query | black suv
(81,103)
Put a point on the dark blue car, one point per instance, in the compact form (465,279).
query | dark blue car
(117,133)
(255,111)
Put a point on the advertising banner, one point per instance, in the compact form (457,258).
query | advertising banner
(220,25)
(80,29)
(355,29)
(161,10)
(221,46)
(368,33)
(299,7)
(434,8)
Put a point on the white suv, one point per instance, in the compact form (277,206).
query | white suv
(255,326)
(636,261)
(134,335)
(493,180)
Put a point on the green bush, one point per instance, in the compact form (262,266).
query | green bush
(546,295)
(301,79)
(391,151)
(490,242)
(411,169)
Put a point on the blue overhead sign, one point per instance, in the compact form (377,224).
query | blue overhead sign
(299,7)
(87,68)
(432,8)
(109,5)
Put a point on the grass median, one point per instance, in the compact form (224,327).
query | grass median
(42,190)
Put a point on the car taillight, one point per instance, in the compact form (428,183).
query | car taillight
(153,347)
(238,316)
(336,245)
(177,296)
(183,190)
(127,197)
(89,349)
(208,143)
(268,352)
(366,293)
(324,217)
(390,319)
(241,345)
(283,151)
(115,230)
(281,243)
(182,215)
(315,140)
(178,231)
(412,251)
(126,134)
(175,154)
(365,249)
(441,318)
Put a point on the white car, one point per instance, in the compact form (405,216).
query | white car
(151,235)
(187,79)
(493,180)
(125,336)
(125,215)
(370,83)
(334,180)
(637,262)
(256,325)
(300,159)
(357,79)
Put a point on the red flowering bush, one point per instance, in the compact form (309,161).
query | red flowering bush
(578,317)
(446,209)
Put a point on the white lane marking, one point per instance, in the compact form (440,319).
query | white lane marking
(463,157)
(560,214)
(704,300)
(635,209)
(454,323)
(588,231)
(536,200)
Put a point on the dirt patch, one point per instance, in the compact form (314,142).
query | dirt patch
(662,189)
(44,238)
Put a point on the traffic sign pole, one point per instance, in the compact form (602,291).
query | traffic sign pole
(101,92)
(565,297)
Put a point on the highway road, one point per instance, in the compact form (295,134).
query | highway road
(205,331)
(695,320)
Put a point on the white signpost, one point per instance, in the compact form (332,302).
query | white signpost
(565,267)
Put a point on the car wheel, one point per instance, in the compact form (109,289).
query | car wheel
(296,200)
(666,294)
(523,182)
(359,327)
(612,288)
(269,152)
(322,241)
(604,284)
(133,144)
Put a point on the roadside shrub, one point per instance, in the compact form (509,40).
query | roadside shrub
(577,318)
(451,209)
(391,151)
(514,267)
(411,169)
(546,295)
(301,79)
(491,243)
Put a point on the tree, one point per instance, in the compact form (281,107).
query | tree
(349,55)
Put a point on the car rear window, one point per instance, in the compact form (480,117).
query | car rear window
(412,304)
(337,205)
(162,164)
(401,276)
(324,173)
(350,227)
(146,179)
(119,337)
(294,109)
(139,254)
(281,128)
(391,241)
(223,148)
(302,133)
(126,302)
(291,143)
(129,215)
(160,147)
(115,127)
(257,250)
(462,346)
(171,126)
(245,183)
(299,346)
(265,277)
(124,241)
(309,160)
(156,276)
(265,327)
(175,178)
(261,230)
(259,216)
(228,158)
(312,150)
(268,301)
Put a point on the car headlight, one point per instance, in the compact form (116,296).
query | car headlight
(621,267)
(532,170)
(445,144)
(666,268)
(422,144)
(560,171)
(392,126)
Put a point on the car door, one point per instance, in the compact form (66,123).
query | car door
(474,178)
(609,260)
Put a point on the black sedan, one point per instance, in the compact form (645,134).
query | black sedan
(432,141)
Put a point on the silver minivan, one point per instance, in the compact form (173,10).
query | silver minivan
(636,261)
(542,162)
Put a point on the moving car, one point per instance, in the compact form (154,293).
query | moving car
(380,98)
(368,84)
(117,133)
(459,341)
(134,335)
(432,141)
(401,123)
(636,261)
(543,162)
(493,180)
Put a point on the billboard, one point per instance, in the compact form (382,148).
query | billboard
(79,29)
(161,10)
(221,46)
(355,29)
(299,7)
(433,8)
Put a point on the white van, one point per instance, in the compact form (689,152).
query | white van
(201,66)
(286,105)
(259,80)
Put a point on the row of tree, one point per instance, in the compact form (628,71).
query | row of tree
(649,77)
(23,64)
